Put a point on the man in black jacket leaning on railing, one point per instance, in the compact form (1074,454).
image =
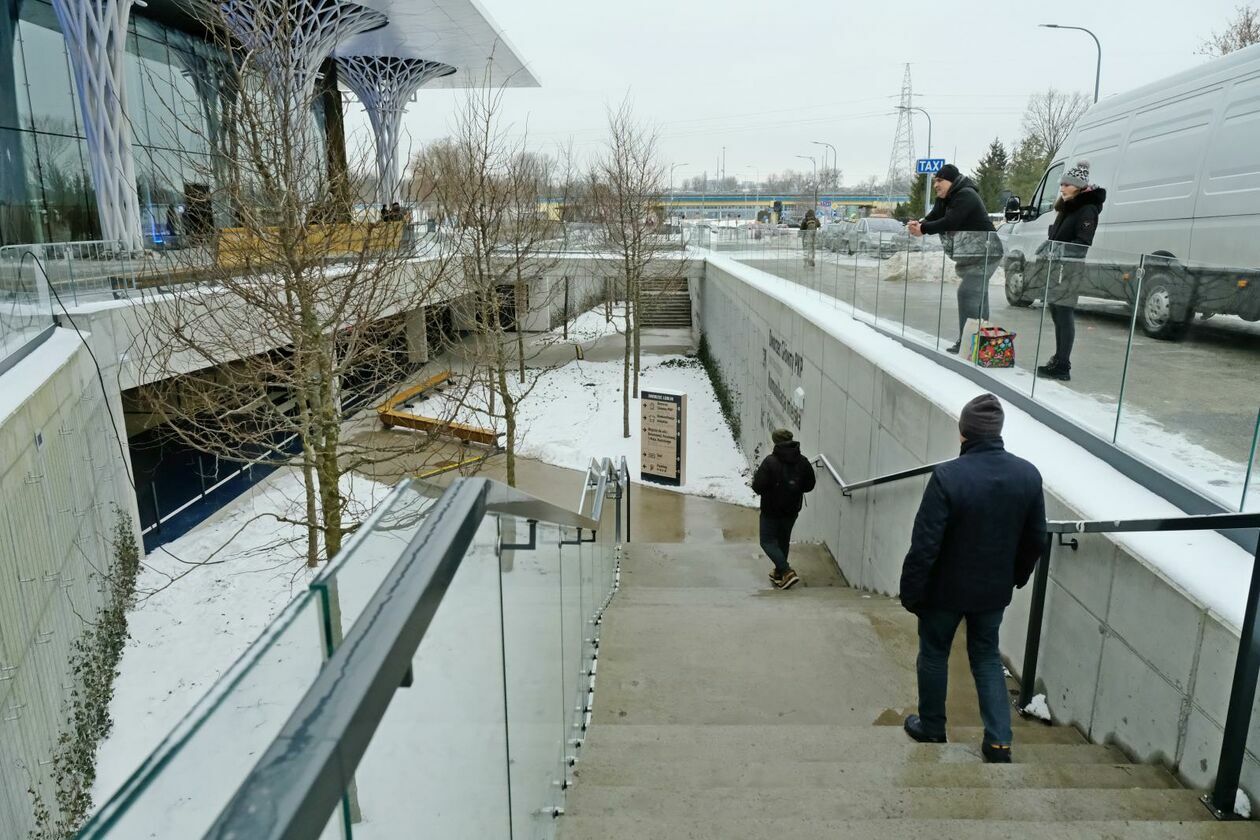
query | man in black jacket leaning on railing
(978,534)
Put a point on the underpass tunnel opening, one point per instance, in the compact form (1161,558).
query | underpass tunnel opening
(199,439)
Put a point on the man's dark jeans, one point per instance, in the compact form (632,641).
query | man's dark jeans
(776,534)
(936,637)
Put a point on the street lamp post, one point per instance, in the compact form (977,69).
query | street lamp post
(814,161)
(672,167)
(927,189)
(835,156)
(1098,65)
(757,184)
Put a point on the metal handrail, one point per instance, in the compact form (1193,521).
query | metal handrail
(847,489)
(1220,800)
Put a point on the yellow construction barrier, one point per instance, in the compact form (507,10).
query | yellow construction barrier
(246,247)
(390,415)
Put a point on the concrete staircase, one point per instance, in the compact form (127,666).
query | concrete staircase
(727,709)
(666,303)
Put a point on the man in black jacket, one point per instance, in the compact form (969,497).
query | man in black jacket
(781,481)
(979,532)
(966,230)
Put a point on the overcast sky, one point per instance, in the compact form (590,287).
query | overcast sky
(764,78)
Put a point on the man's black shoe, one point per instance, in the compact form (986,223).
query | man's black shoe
(914,728)
(954,348)
(996,753)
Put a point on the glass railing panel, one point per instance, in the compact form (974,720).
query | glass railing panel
(181,789)
(350,580)
(438,761)
(1192,387)
(1250,499)
(1080,330)
(25,303)
(533,638)
(573,631)
(925,271)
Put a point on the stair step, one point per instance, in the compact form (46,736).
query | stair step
(732,805)
(755,772)
(805,742)
(892,752)
(622,827)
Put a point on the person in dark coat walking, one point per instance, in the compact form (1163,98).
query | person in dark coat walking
(1078,206)
(979,532)
(782,481)
(970,240)
(809,236)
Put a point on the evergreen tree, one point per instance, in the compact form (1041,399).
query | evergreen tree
(1028,164)
(918,190)
(991,175)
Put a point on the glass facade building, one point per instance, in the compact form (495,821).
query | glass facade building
(173,102)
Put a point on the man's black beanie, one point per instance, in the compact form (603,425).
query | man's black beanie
(949,172)
(982,418)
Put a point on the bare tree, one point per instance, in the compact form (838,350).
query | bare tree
(1242,31)
(625,188)
(1050,116)
(485,181)
(296,315)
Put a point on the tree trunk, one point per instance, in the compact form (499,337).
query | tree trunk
(520,334)
(509,418)
(312,506)
(625,383)
(634,328)
(565,325)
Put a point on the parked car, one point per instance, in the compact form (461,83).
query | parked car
(835,235)
(1180,160)
(879,235)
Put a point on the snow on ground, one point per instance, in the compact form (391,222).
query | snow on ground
(187,632)
(1211,569)
(1039,709)
(1242,805)
(574,413)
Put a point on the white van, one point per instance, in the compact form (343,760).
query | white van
(1180,160)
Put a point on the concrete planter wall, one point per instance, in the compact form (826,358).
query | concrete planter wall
(1126,656)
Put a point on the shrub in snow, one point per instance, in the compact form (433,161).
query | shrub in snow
(1039,708)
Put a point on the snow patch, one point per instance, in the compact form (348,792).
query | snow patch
(1242,805)
(574,413)
(193,622)
(1038,708)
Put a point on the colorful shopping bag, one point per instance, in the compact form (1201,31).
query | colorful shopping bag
(993,347)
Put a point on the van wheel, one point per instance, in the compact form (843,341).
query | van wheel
(1162,309)
(1015,287)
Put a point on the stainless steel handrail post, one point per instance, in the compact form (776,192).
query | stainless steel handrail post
(1242,697)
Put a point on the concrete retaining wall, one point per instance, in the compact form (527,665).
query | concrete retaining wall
(1126,656)
(62,477)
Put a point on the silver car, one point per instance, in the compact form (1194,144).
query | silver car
(877,235)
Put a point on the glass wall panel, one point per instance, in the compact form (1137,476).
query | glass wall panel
(12,76)
(69,197)
(20,205)
(49,103)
